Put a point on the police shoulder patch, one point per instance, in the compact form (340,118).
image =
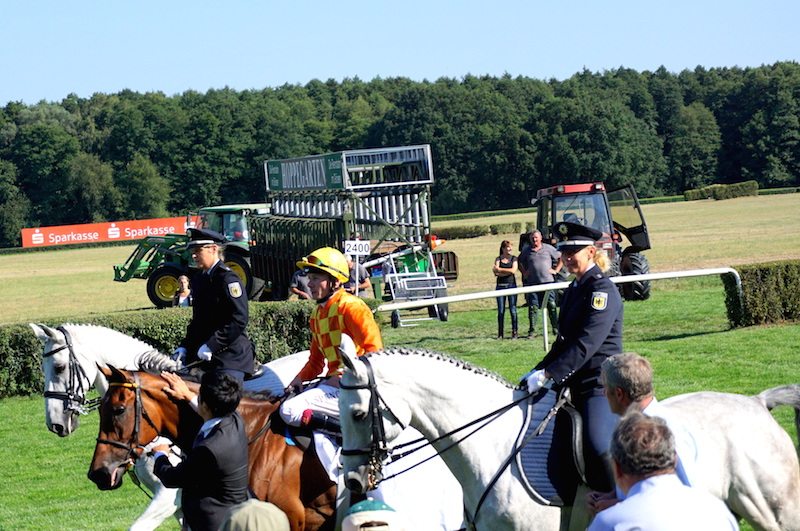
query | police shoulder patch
(235,289)
(599,300)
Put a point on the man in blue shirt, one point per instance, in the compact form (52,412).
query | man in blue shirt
(643,454)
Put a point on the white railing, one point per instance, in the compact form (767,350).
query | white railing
(407,305)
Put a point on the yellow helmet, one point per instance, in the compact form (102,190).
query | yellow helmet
(328,260)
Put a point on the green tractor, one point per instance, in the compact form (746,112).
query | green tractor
(162,259)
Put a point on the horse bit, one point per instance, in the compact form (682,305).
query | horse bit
(74,397)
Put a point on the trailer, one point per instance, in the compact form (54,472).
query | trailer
(377,195)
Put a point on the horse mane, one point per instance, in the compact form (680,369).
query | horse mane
(459,363)
(146,357)
(153,361)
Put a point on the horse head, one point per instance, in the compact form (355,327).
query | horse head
(66,379)
(369,423)
(131,415)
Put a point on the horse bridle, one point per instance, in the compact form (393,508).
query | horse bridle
(135,447)
(378,449)
(74,397)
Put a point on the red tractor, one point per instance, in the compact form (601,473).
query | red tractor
(617,214)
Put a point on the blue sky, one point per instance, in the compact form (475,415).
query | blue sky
(51,48)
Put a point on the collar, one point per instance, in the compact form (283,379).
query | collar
(209,425)
(211,269)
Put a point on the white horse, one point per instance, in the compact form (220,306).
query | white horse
(70,358)
(745,459)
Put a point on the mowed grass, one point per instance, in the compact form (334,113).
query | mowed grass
(682,329)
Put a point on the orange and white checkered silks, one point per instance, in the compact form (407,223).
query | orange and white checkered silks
(342,313)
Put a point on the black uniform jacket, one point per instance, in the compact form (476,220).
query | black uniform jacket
(590,330)
(219,319)
(213,476)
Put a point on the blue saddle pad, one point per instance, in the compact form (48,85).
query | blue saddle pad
(546,460)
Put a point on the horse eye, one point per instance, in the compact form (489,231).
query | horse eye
(359,415)
(60,368)
(119,410)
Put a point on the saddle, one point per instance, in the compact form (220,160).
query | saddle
(550,457)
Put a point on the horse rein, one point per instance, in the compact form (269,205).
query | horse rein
(135,448)
(74,397)
(379,448)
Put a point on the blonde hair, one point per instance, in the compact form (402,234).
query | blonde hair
(602,260)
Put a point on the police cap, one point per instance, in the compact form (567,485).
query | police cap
(575,235)
(200,237)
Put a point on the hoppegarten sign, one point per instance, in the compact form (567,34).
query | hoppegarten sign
(102,232)
(319,172)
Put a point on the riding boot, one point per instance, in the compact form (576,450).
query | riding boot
(316,420)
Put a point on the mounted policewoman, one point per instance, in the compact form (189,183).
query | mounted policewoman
(216,333)
(590,330)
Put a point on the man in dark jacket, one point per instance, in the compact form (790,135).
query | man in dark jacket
(216,333)
(214,475)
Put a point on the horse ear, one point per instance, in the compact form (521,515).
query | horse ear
(347,349)
(112,373)
(44,332)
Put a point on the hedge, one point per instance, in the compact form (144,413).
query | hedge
(456,233)
(770,294)
(505,228)
(276,328)
(722,191)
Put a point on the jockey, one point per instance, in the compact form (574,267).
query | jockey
(338,314)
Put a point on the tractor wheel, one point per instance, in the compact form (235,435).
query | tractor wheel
(241,266)
(635,264)
(162,285)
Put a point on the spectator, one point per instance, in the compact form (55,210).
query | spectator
(298,286)
(363,278)
(505,269)
(538,264)
(183,296)
(590,330)
(216,334)
(256,515)
(214,474)
(643,453)
(628,385)
(338,317)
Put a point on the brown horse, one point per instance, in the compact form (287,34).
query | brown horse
(136,409)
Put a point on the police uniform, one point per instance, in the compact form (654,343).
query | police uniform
(219,315)
(590,330)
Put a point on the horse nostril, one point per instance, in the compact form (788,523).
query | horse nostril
(58,429)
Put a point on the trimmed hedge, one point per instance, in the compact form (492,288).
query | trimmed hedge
(505,228)
(276,328)
(722,191)
(770,294)
(456,233)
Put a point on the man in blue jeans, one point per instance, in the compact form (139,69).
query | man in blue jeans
(539,263)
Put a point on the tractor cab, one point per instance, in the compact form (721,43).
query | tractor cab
(617,214)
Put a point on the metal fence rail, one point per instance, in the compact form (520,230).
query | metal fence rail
(406,305)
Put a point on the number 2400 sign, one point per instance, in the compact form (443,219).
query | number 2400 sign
(357,247)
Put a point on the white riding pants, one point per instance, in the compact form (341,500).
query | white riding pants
(323,398)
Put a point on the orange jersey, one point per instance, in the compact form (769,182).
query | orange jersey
(341,313)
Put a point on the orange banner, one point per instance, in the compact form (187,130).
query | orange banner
(103,232)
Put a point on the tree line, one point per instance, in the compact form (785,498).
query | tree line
(495,140)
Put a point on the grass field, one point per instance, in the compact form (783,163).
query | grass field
(682,329)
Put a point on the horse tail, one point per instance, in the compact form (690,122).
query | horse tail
(785,395)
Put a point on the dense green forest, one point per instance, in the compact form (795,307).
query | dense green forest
(495,140)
